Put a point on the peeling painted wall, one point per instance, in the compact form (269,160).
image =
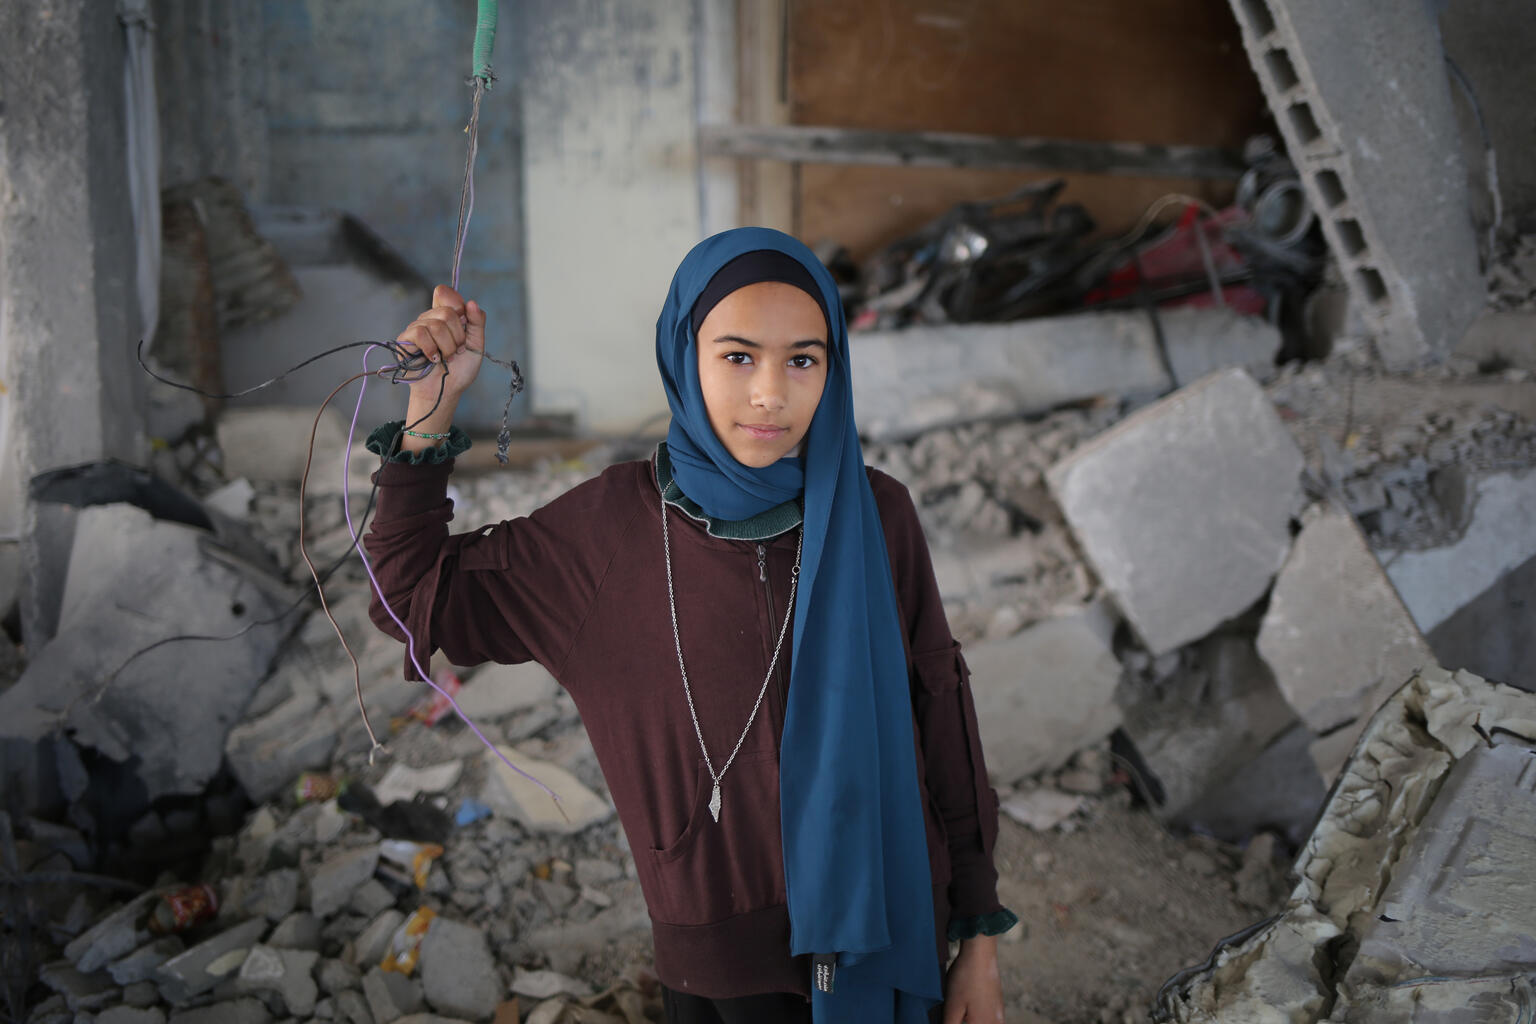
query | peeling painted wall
(610,173)
(366,107)
(68,308)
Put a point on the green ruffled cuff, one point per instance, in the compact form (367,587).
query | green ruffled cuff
(994,923)
(451,447)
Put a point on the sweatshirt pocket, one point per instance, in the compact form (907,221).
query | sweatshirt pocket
(718,869)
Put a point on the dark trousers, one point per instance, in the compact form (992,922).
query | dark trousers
(773,1008)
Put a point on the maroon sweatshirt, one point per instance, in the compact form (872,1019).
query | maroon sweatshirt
(580,586)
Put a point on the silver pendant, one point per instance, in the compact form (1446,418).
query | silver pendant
(714,801)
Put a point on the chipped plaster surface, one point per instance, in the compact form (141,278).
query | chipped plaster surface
(1402,812)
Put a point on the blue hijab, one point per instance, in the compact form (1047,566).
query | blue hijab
(855,849)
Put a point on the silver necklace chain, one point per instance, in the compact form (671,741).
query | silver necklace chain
(677,640)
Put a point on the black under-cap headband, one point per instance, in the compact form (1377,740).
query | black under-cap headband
(752,268)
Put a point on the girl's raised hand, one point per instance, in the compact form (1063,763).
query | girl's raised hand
(452,335)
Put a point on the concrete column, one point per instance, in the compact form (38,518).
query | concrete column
(612,201)
(1360,91)
(68,309)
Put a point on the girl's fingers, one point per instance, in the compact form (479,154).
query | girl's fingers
(442,336)
(419,338)
(452,321)
(443,295)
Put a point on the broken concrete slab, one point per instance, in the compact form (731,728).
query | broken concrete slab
(1201,726)
(209,962)
(1489,636)
(134,581)
(458,974)
(1336,635)
(274,895)
(391,995)
(509,793)
(115,935)
(82,992)
(1415,884)
(333,881)
(1500,536)
(1462,897)
(1280,790)
(141,964)
(287,972)
(371,945)
(267,753)
(495,691)
(299,930)
(1046,692)
(1183,508)
(919,378)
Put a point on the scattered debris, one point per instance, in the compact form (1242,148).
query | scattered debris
(1414,896)
(161,716)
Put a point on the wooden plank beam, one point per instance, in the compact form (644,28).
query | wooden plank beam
(815,144)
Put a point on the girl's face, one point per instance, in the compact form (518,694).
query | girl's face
(762,367)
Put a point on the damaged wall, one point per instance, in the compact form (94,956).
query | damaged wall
(356,105)
(68,310)
(610,172)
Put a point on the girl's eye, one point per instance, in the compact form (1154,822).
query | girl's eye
(802,362)
(739,358)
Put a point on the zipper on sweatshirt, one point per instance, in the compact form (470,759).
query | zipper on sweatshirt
(773,627)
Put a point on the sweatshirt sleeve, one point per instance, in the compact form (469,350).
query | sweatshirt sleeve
(509,592)
(945,711)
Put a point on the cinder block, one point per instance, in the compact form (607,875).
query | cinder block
(1337,637)
(1361,95)
(1184,507)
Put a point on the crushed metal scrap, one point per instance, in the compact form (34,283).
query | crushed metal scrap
(1415,899)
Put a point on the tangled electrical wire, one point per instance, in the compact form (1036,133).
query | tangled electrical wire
(409,366)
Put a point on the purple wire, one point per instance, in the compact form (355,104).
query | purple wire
(468,198)
(410,641)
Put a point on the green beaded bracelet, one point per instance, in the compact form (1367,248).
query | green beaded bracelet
(430,437)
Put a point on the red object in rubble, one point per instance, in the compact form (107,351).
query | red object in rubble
(431,710)
(180,909)
(1178,257)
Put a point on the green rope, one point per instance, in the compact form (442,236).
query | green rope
(485,38)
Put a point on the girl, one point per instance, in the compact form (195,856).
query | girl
(749,625)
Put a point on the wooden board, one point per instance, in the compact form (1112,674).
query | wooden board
(1156,71)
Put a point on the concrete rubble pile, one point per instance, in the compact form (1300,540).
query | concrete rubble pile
(1414,897)
(1184,594)
(1201,581)
(323,914)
